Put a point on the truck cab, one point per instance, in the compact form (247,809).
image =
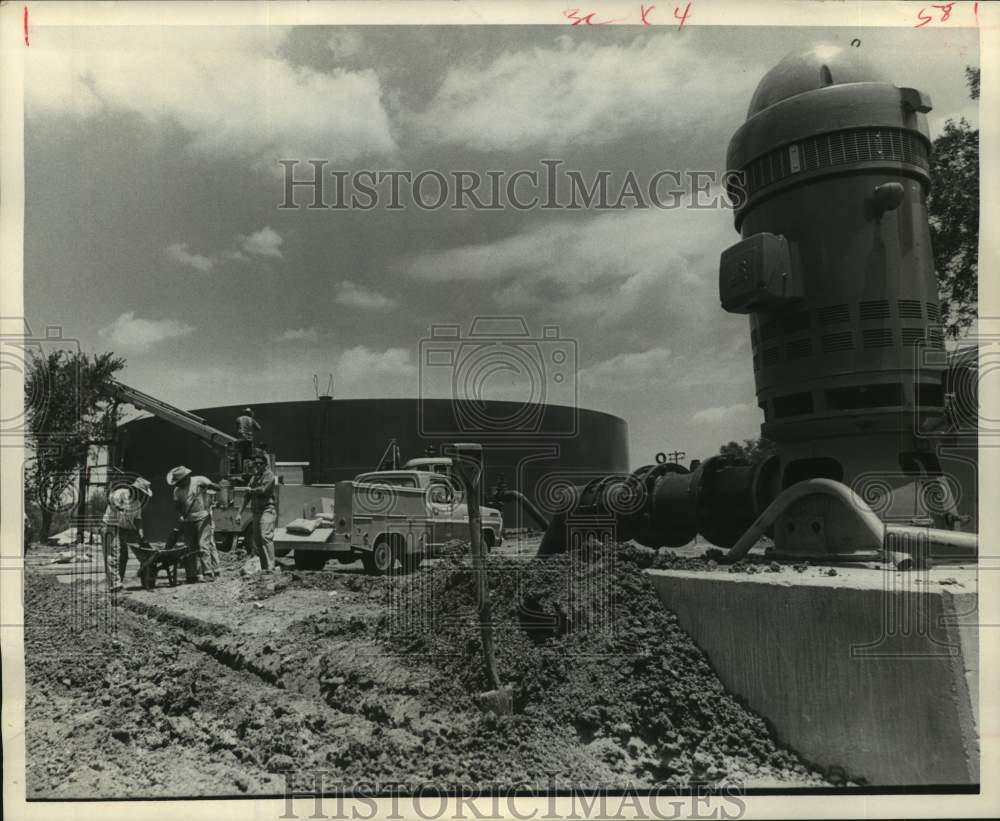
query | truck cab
(389,516)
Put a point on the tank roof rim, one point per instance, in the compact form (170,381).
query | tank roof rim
(406,399)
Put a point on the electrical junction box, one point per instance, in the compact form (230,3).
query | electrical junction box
(759,275)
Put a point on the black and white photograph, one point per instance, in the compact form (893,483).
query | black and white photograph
(525,410)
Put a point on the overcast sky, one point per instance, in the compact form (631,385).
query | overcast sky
(153,185)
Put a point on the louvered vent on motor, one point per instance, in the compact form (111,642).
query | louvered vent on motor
(877,338)
(832,343)
(832,314)
(876,309)
(828,151)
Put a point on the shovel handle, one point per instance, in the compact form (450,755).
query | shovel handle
(468,460)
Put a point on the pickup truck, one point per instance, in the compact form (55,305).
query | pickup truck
(386,517)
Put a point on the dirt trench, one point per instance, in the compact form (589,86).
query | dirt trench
(233,687)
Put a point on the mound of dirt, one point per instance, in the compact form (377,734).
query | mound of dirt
(586,644)
(379,683)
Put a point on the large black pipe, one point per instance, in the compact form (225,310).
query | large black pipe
(666,505)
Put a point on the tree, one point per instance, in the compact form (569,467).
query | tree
(750,452)
(68,405)
(953,208)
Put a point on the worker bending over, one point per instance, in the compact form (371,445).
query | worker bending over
(260,497)
(193,507)
(123,525)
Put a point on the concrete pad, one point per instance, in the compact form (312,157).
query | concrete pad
(874,672)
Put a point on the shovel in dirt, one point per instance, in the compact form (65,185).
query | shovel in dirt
(468,459)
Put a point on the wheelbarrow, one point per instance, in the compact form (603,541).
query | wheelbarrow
(152,560)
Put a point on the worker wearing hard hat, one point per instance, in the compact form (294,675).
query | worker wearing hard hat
(192,504)
(122,525)
(260,497)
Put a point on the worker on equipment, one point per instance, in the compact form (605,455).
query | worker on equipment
(122,523)
(260,497)
(245,427)
(192,504)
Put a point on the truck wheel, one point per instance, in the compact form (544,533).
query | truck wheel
(489,540)
(309,560)
(380,560)
(226,543)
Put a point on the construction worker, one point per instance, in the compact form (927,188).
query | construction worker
(260,497)
(245,427)
(122,525)
(193,506)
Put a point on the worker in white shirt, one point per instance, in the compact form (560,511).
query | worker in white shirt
(123,526)
(193,505)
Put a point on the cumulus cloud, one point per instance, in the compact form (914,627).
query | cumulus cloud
(309,334)
(629,369)
(582,93)
(263,243)
(179,252)
(360,362)
(729,415)
(354,296)
(229,89)
(627,271)
(582,249)
(132,333)
(281,373)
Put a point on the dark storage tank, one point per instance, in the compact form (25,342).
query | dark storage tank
(335,439)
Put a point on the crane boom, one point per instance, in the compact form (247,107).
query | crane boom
(181,418)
